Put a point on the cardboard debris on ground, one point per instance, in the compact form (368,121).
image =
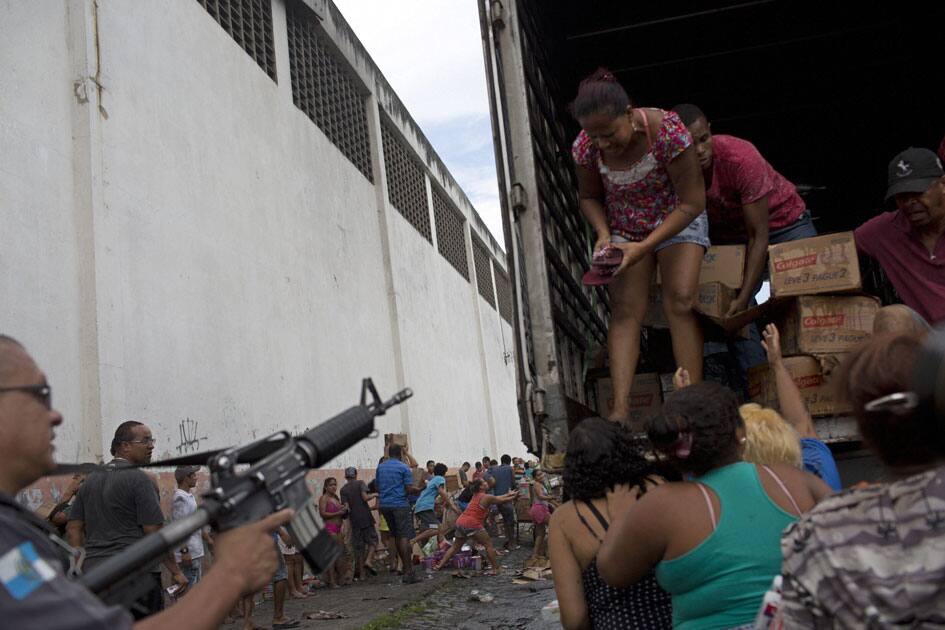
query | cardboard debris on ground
(326,614)
(476,596)
(536,574)
(540,563)
(822,264)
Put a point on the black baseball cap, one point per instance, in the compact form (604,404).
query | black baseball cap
(913,171)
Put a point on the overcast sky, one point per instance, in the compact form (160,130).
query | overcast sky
(431,53)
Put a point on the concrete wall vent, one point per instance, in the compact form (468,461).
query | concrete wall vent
(483,270)
(406,182)
(450,237)
(325,89)
(503,291)
(249,22)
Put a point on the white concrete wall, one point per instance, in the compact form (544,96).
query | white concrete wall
(187,248)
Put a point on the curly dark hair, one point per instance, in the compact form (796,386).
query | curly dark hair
(705,416)
(602,454)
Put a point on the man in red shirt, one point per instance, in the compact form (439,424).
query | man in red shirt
(748,202)
(909,242)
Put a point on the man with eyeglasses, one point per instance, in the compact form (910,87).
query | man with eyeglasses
(117,507)
(34,590)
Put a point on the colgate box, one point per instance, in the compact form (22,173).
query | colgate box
(713,301)
(813,377)
(827,324)
(721,263)
(822,264)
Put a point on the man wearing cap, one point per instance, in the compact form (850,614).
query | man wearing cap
(363,535)
(908,242)
(189,555)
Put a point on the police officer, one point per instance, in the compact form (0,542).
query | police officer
(34,589)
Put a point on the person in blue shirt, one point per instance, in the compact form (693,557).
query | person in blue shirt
(816,456)
(424,509)
(501,480)
(394,483)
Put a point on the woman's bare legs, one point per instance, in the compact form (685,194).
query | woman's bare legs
(539,541)
(679,270)
(457,544)
(483,539)
(629,297)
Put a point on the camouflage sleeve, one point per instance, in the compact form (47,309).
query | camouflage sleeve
(796,610)
(801,572)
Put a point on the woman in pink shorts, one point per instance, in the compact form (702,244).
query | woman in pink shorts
(641,190)
(542,505)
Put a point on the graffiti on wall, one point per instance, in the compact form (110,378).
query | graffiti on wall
(189,436)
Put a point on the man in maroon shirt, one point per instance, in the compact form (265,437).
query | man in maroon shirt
(909,242)
(748,202)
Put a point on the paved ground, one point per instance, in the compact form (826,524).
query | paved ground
(440,601)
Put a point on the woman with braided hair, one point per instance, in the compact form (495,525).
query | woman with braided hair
(713,540)
(641,190)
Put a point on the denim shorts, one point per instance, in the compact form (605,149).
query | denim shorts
(281,572)
(467,532)
(696,232)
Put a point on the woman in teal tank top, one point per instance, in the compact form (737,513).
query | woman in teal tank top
(714,540)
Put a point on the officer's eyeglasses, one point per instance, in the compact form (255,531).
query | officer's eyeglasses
(145,441)
(41,392)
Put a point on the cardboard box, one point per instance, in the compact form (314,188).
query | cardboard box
(722,263)
(812,374)
(666,384)
(713,301)
(523,506)
(396,438)
(645,398)
(452,482)
(827,324)
(822,264)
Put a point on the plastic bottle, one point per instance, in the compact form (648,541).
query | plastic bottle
(770,604)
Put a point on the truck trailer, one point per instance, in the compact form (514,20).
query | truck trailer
(828,92)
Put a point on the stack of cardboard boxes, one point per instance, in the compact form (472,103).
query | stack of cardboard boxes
(813,285)
(720,278)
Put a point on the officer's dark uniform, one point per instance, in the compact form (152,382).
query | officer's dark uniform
(34,589)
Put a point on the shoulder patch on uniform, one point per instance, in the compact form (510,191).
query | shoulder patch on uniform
(22,571)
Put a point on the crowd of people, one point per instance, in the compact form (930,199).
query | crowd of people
(687,527)
(739,495)
(208,578)
(658,187)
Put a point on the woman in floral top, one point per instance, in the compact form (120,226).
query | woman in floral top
(641,189)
